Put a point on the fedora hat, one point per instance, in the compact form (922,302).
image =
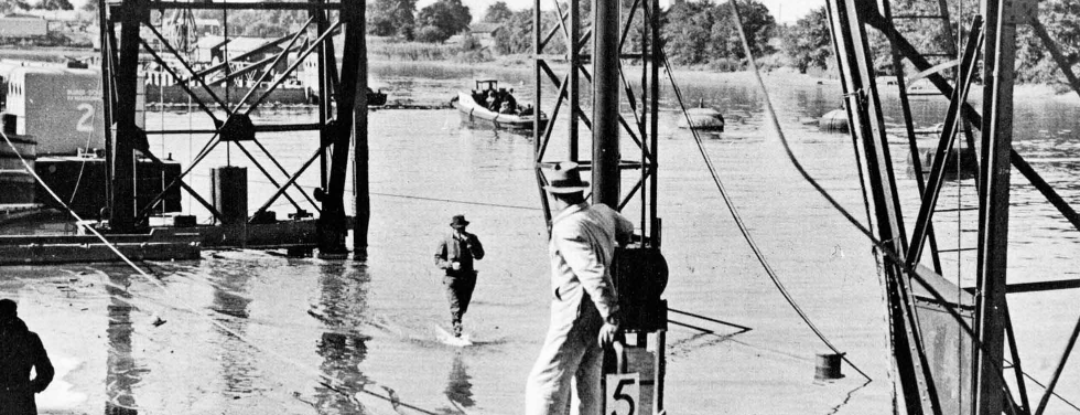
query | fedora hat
(565,177)
(459,221)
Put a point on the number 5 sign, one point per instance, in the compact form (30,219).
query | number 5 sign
(623,393)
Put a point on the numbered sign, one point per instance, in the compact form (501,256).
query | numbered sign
(623,394)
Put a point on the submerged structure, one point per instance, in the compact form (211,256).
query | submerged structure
(126,35)
(929,322)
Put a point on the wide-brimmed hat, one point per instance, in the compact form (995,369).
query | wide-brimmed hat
(459,221)
(565,177)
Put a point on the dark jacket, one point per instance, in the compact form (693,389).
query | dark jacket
(452,249)
(21,350)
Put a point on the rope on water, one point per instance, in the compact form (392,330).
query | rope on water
(328,379)
(738,218)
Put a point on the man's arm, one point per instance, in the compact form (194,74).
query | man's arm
(590,270)
(42,366)
(475,247)
(440,255)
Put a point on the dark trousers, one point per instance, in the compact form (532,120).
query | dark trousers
(459,289)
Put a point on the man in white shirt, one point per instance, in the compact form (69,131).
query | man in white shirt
(584,308)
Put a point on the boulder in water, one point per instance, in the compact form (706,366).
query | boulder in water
(703,119)
(835,120)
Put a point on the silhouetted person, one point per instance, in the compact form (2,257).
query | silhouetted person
(20,350)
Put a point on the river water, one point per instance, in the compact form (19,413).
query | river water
(248,332)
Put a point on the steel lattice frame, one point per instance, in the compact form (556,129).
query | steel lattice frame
(908,283)
(121,58)
(641,15)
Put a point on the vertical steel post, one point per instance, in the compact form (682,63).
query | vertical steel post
(360,151)
(655,60)
(122,206)
(106,87)
(332,227)
(605,122)
(575,80)
(323,66)
(1000,56)
(847,19)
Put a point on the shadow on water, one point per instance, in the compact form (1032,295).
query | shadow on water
(236,364)
(342,303)
(122,372)
(458,386)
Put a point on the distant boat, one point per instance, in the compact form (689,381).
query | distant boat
(476,114)
(375,99)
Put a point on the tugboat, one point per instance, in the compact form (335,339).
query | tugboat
(494,107)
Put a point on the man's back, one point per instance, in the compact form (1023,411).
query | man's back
(21,350)
(583,242)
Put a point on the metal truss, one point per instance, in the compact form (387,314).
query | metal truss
(232,122)
(980,320)
(602,120)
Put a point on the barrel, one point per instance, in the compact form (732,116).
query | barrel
(229,192)
(828,367)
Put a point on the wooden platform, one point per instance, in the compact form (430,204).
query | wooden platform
(162,243)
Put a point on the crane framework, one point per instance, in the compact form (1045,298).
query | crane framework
(927,328)
(129,39)
(589,67)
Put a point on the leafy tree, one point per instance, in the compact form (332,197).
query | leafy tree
(687,34)
(1034,62)
(758,24)
(392,17)
(450,17)
(498,12)
(516,35)
(809,43)
(431,34)
(56,5)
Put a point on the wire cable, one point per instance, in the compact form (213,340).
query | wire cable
(328,379)
(887,250)
(743,229)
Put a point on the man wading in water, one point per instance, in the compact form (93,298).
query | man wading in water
(584,310)
(455,254)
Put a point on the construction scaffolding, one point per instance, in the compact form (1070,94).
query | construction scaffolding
(928,326)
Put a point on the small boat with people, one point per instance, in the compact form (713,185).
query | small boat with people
(491,106)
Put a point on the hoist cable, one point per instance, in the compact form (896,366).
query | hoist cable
(154,281)
(898,261)
(744,229)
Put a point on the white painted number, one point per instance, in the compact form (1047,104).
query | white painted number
(623,394)
(86,123)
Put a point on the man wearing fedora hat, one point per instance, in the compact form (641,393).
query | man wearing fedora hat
(455,255)
(584,307)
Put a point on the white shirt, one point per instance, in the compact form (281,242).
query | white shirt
(583,240)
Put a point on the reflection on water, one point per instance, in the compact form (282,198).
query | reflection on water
(458,387)
(342,304)
(236,365)
(369,326)
(122,371)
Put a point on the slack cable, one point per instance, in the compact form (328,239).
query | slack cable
(745,230)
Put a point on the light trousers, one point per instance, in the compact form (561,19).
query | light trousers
(571,359)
